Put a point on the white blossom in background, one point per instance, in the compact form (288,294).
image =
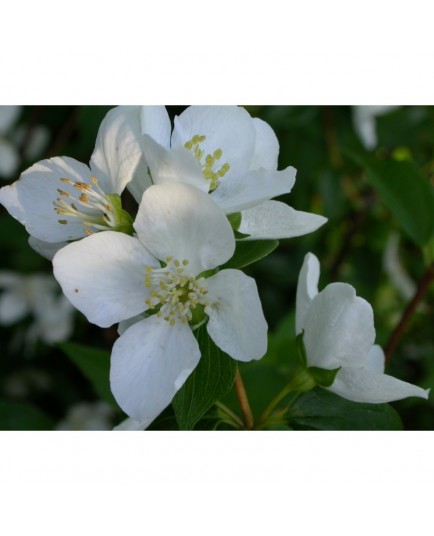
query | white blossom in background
(35,139)
(182,235)
(364,121)
(37,296)
(339,331)
(61,199)
(88,416)
(9,158)
(222,151)
(395,270)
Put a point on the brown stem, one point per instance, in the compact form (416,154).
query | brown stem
(422,289)
(243,401)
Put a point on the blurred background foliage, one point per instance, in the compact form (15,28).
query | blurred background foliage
(378,239)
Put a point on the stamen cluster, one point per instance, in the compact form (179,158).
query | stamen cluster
(99,213)
(210,159)
(174,291)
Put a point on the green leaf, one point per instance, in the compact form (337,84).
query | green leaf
(211,380)
(322,410)
(249,251)
(406,193)
(23,416)
(94,363)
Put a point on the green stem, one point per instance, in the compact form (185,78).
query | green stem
(233,417)
(243,401)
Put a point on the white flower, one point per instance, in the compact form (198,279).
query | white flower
(88,416)
(364,120)
(60,199)
(223,151)
(9,159)
(339,331)
(112,277)
(35,295)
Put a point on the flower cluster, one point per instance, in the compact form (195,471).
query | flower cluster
(201,189)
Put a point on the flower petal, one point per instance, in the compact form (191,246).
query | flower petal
(103,276)
(46,249)
(118,155)
(229,128)
(338,328)
(30,199)
(179,221)
(130,425)
(274,219)
(307,289)
(360,385)
(249,189)
(150,363)
(236,321)
(375,360)
(155,122)
(266,146)
(173,165)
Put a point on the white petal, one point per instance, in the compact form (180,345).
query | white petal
(118,156)
(249,189)
(103,276)
(46,249)
(229,128)
(125,324)
(266,146)
(173,165)
(339,328)
(236,321)
(13,307)
(375,360)
(150,362)
(155,122)
(307,289)
(9,159)
(361,385)
(8,116)
(130,425)
(179,221)
(30,199)
(274,219)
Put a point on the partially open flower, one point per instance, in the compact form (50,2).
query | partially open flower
(338,331)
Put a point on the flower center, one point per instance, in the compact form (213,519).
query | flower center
(92,205)
(176,293)
(207,164)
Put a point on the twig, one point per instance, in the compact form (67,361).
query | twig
(422,289)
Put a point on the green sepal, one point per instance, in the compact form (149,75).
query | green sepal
(124,221)
(301,381)
(250,251)
(240,236)
(323,377)
(301,350)
(234,220)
